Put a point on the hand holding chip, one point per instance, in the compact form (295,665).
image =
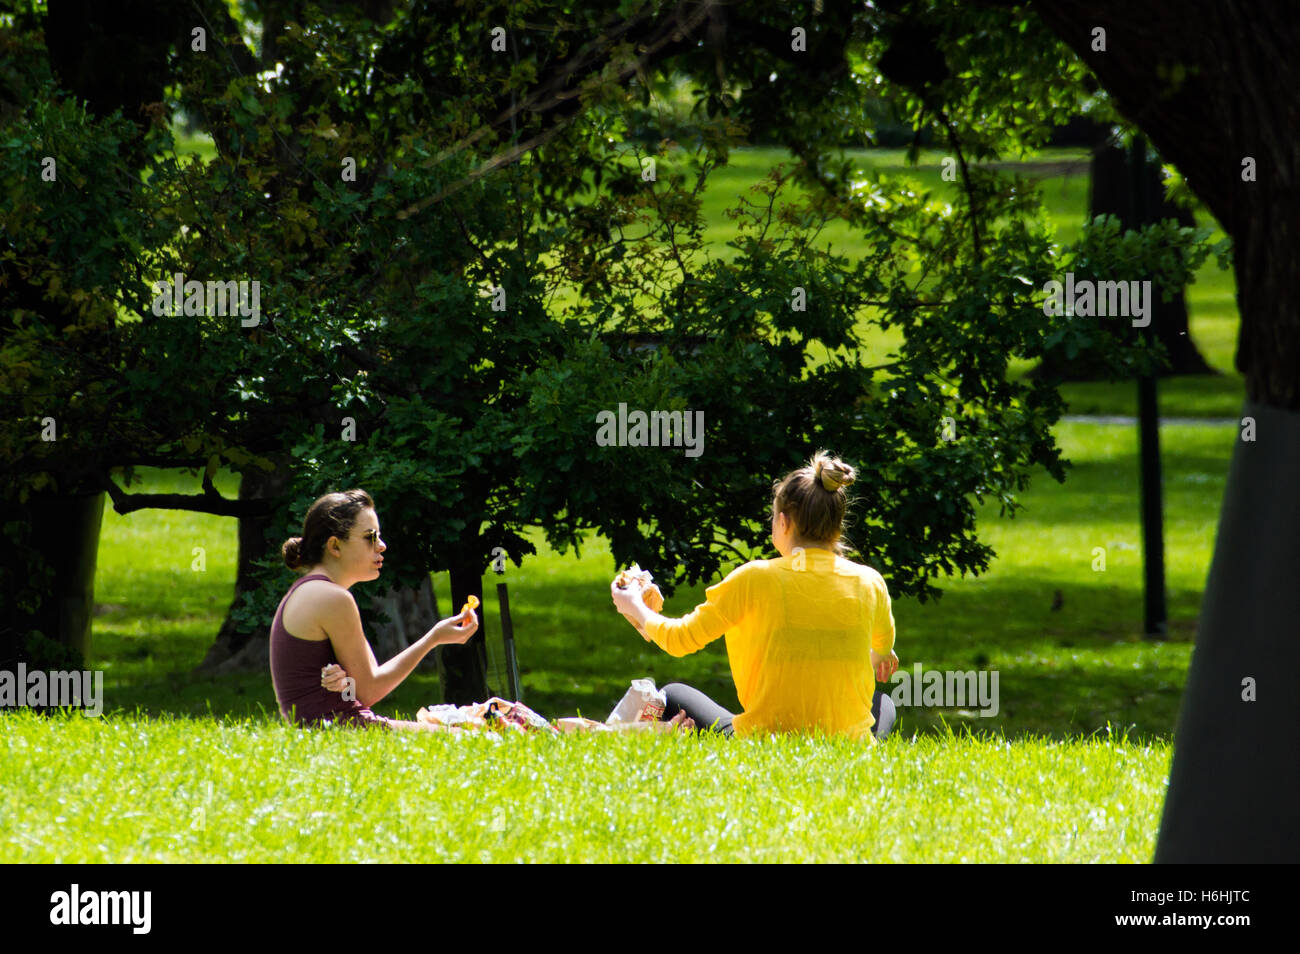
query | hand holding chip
(455,630)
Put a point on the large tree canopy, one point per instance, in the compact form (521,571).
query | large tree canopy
(406,343)
(1210,84)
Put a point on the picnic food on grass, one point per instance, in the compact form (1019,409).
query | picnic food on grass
(650,594)
(641,709)
(496,713)
(470,604)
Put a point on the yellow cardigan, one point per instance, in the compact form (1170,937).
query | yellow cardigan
(799,633)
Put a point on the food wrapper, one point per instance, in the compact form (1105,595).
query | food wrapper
(516,715)
(450,715)
(650,594)
(641,703)
(496,713)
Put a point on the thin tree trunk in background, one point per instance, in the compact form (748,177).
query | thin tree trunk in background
(253,545)
(1110,196)
(412,611)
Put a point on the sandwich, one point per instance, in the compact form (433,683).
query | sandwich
(650,594)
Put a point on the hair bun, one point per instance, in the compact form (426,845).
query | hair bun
(292,552)
(832,473)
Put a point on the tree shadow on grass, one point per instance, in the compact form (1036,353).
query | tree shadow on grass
(1074,703)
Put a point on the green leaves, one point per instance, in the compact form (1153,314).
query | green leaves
(469,424)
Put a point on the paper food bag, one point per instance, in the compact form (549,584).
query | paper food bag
(641,703)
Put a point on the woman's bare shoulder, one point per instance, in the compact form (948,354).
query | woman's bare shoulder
(312,605)
(325,594)
(318,585)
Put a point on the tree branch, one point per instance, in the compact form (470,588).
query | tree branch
(125,503)
(965,178)
(562,104)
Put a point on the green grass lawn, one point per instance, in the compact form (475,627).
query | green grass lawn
(175,790)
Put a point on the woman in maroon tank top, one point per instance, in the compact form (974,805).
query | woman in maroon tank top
(317,624)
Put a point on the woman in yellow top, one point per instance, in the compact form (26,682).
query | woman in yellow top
(808,635)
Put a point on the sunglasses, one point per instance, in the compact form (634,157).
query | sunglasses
(372,536)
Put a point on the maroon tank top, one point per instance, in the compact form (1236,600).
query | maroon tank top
(295,673)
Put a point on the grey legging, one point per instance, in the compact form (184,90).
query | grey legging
(709,715)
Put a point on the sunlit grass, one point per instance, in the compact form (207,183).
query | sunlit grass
(122,789)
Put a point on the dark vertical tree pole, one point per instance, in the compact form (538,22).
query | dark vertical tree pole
(508,637)
(1110,193)
(1153,540)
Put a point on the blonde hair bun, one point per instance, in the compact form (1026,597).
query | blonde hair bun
(831,472)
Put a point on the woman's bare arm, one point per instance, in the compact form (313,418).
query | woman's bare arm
(342,623)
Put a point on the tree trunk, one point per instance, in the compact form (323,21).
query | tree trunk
(65,529)
(1233,781)
(1111,183)
(412,611)
(253,545)
(464,668)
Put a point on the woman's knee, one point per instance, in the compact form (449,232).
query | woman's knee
(675,694)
